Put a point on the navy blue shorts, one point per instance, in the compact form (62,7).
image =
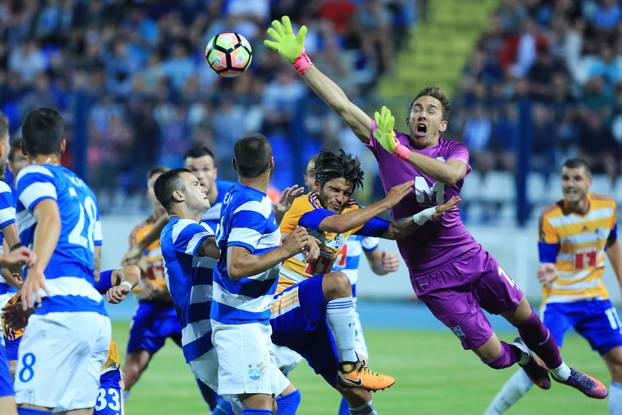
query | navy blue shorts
(110,394)
(152,323)
(596,320)
(299,322)
(6,383)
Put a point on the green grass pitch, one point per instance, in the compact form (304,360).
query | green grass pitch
(435,376)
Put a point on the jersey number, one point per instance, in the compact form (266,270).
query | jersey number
(82,233)
(614,320)
(112,402)
(585,259)
(434,195)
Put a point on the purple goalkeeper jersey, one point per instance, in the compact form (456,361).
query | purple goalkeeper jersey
(438,242)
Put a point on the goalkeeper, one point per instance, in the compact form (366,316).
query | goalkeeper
(450,272)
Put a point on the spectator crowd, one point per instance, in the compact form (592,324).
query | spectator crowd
(563,57)
(135,71)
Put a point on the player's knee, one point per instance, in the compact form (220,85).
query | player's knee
(336,285)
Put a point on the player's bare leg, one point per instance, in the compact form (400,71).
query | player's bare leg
(613,359)
(135,365)
(341,317)
(539,339)
(7,405)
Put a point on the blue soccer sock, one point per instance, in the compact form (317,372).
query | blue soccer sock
(253,411)
(344,408)
(288,404)
(341,318)
(32,411)
(222,408)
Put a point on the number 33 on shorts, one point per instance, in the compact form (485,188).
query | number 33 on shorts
(108,402)
(110,394)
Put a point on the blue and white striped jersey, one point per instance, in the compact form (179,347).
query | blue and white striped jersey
(189,280)
(7,217)
(69,273)
(349,257)
(211,217)
(247,221)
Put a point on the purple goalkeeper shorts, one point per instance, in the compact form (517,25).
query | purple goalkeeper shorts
(485,285)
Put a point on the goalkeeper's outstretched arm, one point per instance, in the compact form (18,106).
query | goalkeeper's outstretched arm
(338,101)
(282,39)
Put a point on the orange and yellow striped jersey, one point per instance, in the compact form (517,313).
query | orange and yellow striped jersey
(9,333)
(576,244)
(152,258)
(306,211)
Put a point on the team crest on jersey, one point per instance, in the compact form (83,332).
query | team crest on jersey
(254,371)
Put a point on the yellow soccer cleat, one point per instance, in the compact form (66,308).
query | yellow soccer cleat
(359,376)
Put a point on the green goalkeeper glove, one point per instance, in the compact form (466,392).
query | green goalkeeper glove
(385,134)
(284,41)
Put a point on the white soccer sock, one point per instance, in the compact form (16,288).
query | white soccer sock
(562,372)
(341,319)
(515,388)
(615,398)
(365,409)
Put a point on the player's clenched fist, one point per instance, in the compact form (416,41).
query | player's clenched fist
(296,241)
(390,262)
(282,39)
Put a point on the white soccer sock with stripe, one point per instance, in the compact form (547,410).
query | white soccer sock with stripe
(341,318)
(615,398)
(365,409)
(562,372)
(514,389)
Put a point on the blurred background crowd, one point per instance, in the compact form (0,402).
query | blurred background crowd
(133,85)
(544,82)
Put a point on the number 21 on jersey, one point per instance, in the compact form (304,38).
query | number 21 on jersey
(82,232)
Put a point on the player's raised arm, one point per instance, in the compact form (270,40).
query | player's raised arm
(282,39)
(242,263)
(446,171)
(359,217)
(403,227)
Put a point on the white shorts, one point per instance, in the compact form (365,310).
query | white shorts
(245,362)
(60,360)
(205,368)
(286,359)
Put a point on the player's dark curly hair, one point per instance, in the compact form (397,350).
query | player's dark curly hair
(434,92)
(329,165)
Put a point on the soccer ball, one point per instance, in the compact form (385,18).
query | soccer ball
(229,54)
